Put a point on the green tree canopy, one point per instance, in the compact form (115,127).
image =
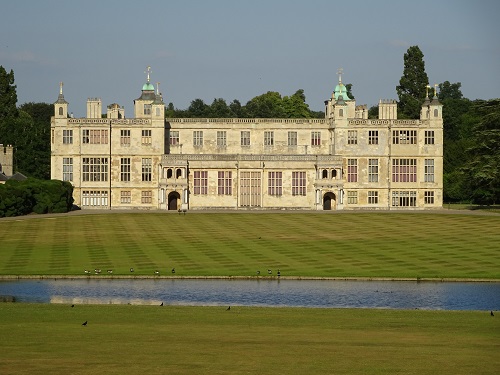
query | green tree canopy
(483,168)
(8,94)
(412,85)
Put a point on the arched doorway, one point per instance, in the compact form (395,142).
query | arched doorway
(328,201)
(173,198)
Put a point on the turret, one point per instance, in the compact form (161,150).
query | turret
(61,105)
(94,108)
(143,104)
(387,109)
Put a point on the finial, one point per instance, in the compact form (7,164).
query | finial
(60,87)
(435,90)
(157,88)
(148,71)
(427,91)
(339,72)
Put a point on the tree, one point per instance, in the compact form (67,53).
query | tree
(219,109)
(348,87)
(8,94)
(449,90)
(483,167)
(412,85)
(198,108)
(268,105)
(295,106)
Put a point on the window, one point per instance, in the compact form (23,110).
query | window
(95,169)
(352,170)
(85,136)
(158,112)
(352,197)
(245,138)
(275,183)
(200,182)
(94,198)
(95,136)
(146,137)
(146,197)
(404,137)
(372,170)
(125,169)
(268,138)
(324,173)
(429,170)
(429,197)
(221,138)
(67,169)
(341,112)
(315,138)
(372,197)
(125,137)
(404,199)
(292,138)
(198,138)
(67,137)
(352,137)
(429,137)
(373,137)
(125,197)
(436,113)
(61,111)
(147,167)
(174,138)
(298,183)
(147,109)
(404,170)
(224,183)
(250,189)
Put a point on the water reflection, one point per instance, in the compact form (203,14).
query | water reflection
(294,293)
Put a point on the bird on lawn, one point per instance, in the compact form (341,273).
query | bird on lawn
(228,308)
(491,313)
(157,272)
(258,272)
(110,271)
(131,269)
(72,305)
(173,270)
(84,323)
(269,272)
(161,304)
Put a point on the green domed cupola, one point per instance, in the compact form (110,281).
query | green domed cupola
(340,89)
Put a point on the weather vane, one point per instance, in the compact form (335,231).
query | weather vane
(339,72)
(148,71)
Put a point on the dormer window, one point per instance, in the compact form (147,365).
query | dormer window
(147,109)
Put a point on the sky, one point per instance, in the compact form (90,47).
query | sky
(239,49)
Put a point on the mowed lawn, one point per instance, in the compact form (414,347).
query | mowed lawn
(300,244)
(121,339)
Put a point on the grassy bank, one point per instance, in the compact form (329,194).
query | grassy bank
(43,338)
(399,245)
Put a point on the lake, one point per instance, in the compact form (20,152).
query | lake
(275,293)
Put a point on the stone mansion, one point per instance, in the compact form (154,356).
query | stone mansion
(342,162)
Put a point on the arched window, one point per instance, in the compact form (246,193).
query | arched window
(325,173)
(178,173)
(436,113)
(341,112)
(334,173)
(157,111)
(61,111)
(169,173)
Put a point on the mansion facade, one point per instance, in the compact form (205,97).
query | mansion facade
(342,162)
